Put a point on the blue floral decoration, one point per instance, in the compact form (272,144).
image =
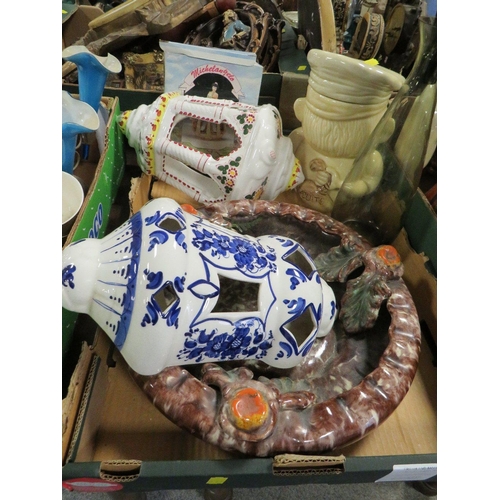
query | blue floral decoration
(154,279)
(161,235)
(333,308)
(250,257)
(296,277)
(245,340)
(68,276)
(153,310)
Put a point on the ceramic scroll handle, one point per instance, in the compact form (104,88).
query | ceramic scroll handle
(346,385)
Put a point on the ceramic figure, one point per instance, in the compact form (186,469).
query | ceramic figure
(78,117)
(156,286)
(345,100)
(234,32)
(93,71)
(213,149)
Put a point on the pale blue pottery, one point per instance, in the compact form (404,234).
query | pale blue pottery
(93,71)
(78,117)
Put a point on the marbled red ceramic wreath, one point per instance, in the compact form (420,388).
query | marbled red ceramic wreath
(351,380)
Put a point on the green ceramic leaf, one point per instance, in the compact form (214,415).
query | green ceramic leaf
(362,301)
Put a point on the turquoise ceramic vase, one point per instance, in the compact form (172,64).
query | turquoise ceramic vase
(92,72)
(78,117)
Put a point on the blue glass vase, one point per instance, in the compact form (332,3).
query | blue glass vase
(93,71)
(78,117)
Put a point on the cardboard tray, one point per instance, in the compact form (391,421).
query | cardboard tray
(116,438)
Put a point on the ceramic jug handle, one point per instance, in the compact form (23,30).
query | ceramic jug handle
(298,108)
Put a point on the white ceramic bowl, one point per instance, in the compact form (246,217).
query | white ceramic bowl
(72,200)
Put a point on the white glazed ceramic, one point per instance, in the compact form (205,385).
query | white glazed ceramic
(78,117)
(72,200)
(345,100)
(256,161)
(157,284)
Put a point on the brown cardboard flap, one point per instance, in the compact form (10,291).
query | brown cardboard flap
(131,428)
(120,471)
(290,465)
(293,86)
(72,402)
(80,421)
(420,282)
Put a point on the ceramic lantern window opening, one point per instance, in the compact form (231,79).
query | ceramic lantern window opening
(213,149)
(216,139)
(170,288)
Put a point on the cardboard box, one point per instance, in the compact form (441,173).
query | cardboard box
(117,438)
(114,436)
(101,173)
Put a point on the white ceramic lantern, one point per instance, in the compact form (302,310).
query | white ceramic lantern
(170,288)
(213,149)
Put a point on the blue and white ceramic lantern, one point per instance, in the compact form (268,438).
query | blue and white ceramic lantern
(170,288)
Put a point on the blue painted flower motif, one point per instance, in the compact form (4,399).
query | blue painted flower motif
(221,245)
(154,279)
(179,283)
(202,239)
(296,277)
(153,219)
(204,289)
(153,311)
(161,235)
(68,276)
(295,307)
(244,254)
(151,316)
(285,242)
(157,238)
(246,339)
(287,348)
(180,238)
(249,256)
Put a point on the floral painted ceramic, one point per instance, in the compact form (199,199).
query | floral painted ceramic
(345,100)
(159,287)
(213,149)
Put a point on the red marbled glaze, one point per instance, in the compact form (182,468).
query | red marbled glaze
(348,384)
